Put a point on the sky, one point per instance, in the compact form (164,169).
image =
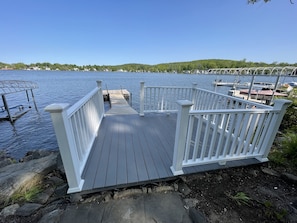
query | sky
(115,32)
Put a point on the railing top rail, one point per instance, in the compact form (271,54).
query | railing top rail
(175,87)
(228,111)
(75,107)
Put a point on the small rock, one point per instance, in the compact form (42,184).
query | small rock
(196,216)
(9,210)
(164,189)
(56,181)
(183,188)
(94,198)
(144,190)
(254,173)
(289,177)
(27,209)
(107,197)
(294,204)
(175,186)
(270,172)
(219,178)
(127,193)
(191,202)
(53,217)
(61,190)
(76,197)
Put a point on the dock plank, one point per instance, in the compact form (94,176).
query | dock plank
(131,160)
(122,177)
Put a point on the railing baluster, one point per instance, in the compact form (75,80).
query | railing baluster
(197,138)
(214,136)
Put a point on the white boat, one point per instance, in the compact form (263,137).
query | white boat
(238,84)
(230,84)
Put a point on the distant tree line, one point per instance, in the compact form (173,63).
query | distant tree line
(196,66)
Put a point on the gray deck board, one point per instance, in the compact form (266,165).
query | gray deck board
(131,150)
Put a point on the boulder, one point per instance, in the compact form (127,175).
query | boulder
(28,209)
(9,210)
(21,176)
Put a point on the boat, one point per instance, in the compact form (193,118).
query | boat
(230,84)
(238,84)
(264,85)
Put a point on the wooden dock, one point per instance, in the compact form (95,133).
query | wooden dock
(119,102)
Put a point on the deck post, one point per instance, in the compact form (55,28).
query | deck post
(194,90)
(180,136)
(280,105)
(7,108)
(141,113)
(66,142)
(101,102)
(34,100)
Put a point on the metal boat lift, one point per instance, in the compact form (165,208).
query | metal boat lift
(290,71)
(13,86)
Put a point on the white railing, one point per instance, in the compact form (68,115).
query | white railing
(213,127)
(162,98)
(76,128)
(209,100)
(220,135)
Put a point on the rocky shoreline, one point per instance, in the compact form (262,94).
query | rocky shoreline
(206,197)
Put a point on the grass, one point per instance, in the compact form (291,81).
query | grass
(272,213)
(285,153)
(241,198)
(27,195)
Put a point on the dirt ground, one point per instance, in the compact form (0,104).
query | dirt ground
(245,194)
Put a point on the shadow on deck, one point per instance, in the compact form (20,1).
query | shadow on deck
(132,150)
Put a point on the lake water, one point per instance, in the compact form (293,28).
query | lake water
(34,130)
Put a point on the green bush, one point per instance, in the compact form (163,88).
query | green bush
(285,153)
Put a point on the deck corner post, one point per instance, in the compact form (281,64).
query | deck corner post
(141,112)
(194,90)
(66,145)
(280,105)
(180,136)
(101,101)
(99,84)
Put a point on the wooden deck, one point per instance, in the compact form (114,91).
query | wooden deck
(132,150)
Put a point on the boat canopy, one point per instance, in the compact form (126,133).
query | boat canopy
(256,71)
(12,86)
